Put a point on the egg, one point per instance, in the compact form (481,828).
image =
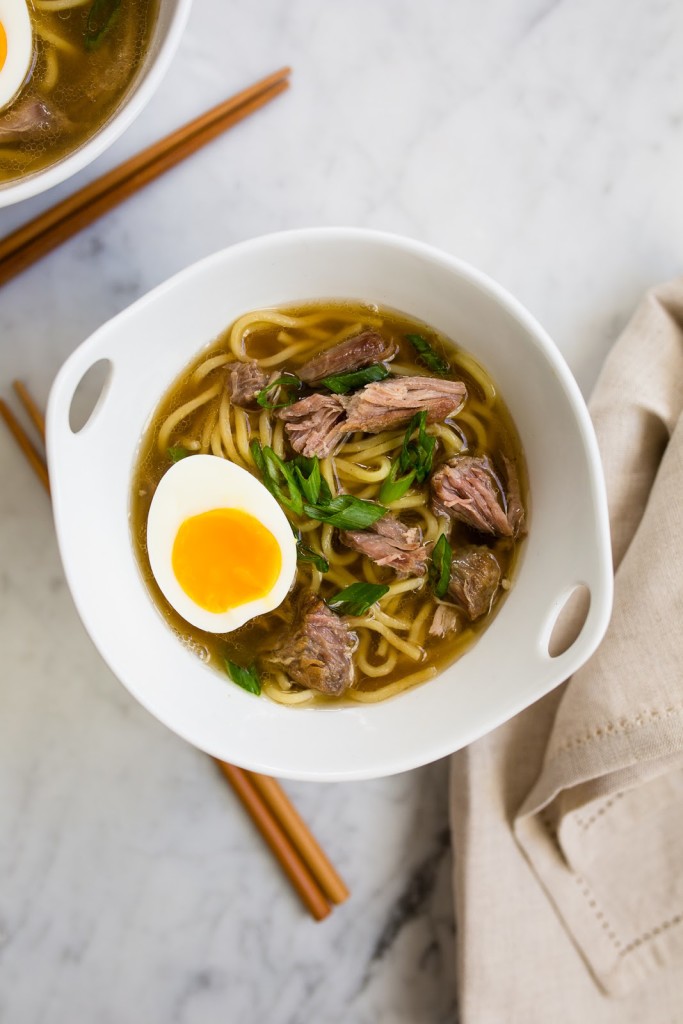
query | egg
(219,545)
(16,48)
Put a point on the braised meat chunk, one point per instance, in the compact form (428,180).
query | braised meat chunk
(317,653)
(353,354)
(244,381)
(445,620)
(390,542)
(390,403)
(475,577)
(515,509)
(27,120)
(314,425)
(467,489)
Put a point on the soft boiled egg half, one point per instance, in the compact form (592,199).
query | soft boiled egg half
(220,547)
(16,48)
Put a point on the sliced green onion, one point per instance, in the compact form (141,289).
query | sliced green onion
(304,483)
(439,572)
(356,599)
(431,359)
(346,512)
(287,383)
(306,554)
(307,473)
(418,454)
(276,472)
(341,383)
(414,463)
(101,18)
(177,453)
(395,486)
(247,678)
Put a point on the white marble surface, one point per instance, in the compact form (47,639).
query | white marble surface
(541,140)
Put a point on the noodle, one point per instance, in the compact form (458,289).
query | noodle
(51,73)
(226,430)
(372,696)
(242,436)
(176,417)
(206,367)
(58,5)
(349,470)
(412,650)
(59,42)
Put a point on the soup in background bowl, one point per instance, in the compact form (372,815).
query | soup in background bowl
(73,75)
(408,286)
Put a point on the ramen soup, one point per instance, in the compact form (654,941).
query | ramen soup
(398,476)
(65,66)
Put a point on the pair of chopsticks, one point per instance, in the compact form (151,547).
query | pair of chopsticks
(35,239)
(303,861)
(300,856)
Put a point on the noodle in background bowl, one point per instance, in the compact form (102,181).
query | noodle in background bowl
(508,668)
(165,37)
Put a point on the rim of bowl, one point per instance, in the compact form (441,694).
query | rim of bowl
(131,106)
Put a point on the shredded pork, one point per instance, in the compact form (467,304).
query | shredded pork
(353,354)
(390,542)
(317,653)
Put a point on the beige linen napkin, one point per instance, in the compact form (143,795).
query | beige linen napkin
(568,821)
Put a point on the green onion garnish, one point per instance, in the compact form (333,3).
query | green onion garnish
(306,554)
(346,512)
(307,492)
(247,678)
(395,486)
(431,359)
(356,599)
(308,476)
(288,384)
(439,572)
(341,383)
(418,454)
(414,462)
(277,473)
(102,17)
(177,453)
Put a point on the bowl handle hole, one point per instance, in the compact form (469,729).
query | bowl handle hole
(88,394)
(570,620)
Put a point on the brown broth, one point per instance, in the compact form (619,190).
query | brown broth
(89,84)
(501,440)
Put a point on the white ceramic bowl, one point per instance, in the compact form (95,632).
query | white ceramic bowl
(171,19)
(568,543)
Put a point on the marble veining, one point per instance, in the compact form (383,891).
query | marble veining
(542,141)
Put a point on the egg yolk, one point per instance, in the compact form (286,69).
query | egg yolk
(224,558)
(3,46)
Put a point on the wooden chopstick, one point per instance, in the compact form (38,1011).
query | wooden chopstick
(35,239)
(34,413)
(21,437)
(306,844)
(312,875)
(291,862)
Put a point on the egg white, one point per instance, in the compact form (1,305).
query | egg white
(17,24)
(198,484)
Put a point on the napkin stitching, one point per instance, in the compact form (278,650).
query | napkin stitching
(624,725)
(599,913)
(651,934)
(596,908)
(585,890)
(585,823)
